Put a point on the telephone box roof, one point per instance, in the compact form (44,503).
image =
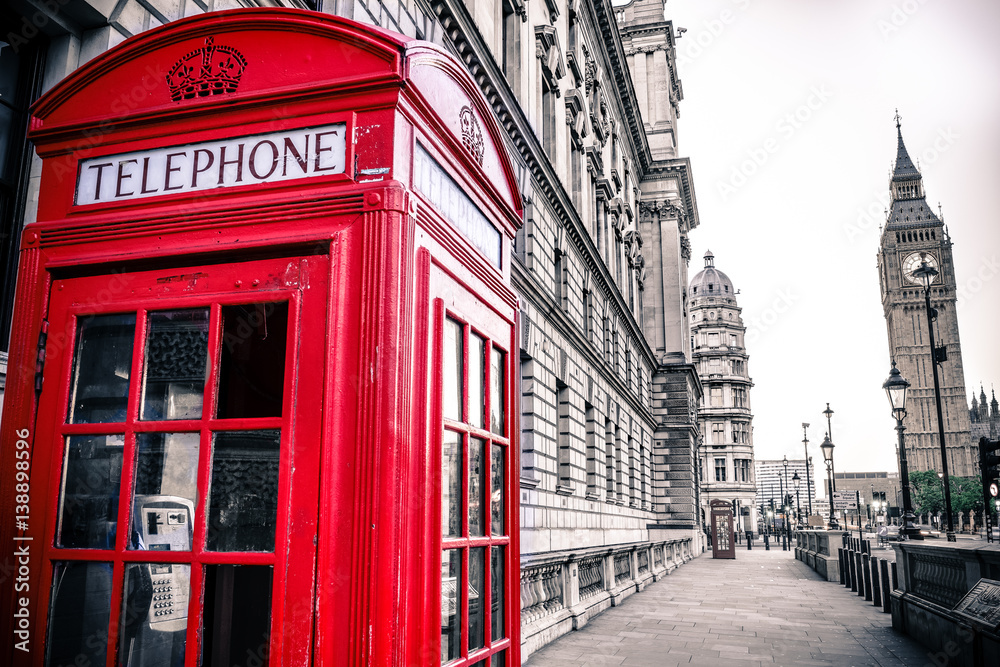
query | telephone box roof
(211,64)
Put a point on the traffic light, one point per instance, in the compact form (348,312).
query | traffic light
(989,464)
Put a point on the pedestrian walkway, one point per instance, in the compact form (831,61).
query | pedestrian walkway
(764,608)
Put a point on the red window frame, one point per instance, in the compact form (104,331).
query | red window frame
(492,340)
(55,429)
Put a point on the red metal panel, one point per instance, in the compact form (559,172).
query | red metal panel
(361,259)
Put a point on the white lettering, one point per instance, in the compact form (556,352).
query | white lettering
(237,161)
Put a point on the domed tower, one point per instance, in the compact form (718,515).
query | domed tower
(726,450)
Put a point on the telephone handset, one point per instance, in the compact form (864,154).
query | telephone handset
(164,523)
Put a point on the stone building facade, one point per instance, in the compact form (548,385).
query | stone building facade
(588,96)
(719,353)
(914,233)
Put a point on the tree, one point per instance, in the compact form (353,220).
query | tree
(927,492)
(966,494)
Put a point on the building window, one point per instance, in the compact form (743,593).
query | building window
(713,340)
(609,460)
(718,433)
(732,340)
(565,453)
(510,61)
(742,470)
(720,470)
(716,397)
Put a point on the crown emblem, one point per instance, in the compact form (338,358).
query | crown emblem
(472,135)
(210,70)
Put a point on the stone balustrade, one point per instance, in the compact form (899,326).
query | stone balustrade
(933,575)
(561,591)
(818,550)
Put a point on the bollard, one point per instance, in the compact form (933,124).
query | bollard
(867,577)
(876,588)
(859,568)
(749,541)
(767,543)
(854,577)
(860,572)
(886,593)
(840,562)
(895,582)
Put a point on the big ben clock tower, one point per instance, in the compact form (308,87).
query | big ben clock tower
(913,234)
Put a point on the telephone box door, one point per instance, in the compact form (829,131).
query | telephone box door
(472,422)
(175,405)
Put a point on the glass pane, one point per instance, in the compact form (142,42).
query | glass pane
(176,364)
(6,123)
(154,614)
(92,470)
(477,381)
(452,381)
(477,577)
(451,579)
(496,391)
(166,491)
(498,659)
(237,615)
(252,360)
(496,592)
(243,498)
(10,65)
(101,367)
(451,484)
(496,491)
(79,613)
(477,474)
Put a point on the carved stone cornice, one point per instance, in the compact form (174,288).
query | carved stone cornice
(548,52)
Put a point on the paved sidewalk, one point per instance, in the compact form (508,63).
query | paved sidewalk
(764,608)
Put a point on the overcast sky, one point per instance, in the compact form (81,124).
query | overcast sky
(788,120)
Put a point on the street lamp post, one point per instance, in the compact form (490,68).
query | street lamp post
(784,542)
(827,449)
(805,444)
(895,387)
(796,480)
(925,274)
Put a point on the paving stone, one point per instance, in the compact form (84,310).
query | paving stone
(763,609)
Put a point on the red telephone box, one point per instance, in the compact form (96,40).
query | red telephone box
(261,399)
(723,542)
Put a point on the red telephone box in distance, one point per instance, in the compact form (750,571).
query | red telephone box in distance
(261,399)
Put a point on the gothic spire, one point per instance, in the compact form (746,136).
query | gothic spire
(904,169)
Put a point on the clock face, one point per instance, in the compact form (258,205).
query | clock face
(913,261)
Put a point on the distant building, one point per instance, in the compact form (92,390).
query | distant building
(771,476)
(872,486)
(984,420)
(718,352)
(914,234)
